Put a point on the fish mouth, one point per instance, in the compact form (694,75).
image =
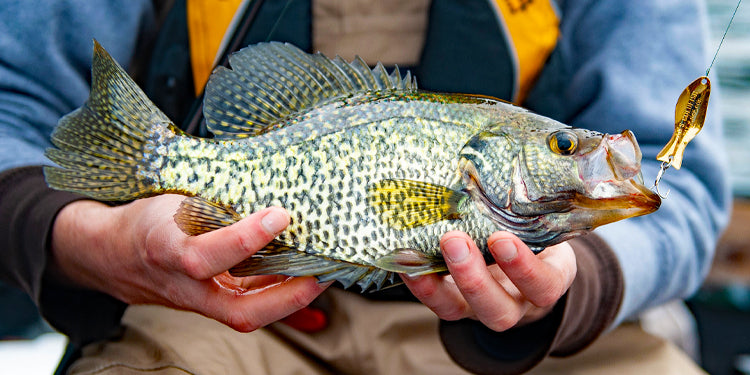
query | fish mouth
(622,200)
(542,223)
(613,182)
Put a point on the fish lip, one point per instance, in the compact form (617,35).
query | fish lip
(633,199)
(614,181)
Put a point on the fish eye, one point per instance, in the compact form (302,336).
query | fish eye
(563,142)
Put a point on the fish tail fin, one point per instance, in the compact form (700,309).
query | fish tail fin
(101,149)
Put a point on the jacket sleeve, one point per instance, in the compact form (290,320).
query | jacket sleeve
(579,317)
(45,54)
(621,65)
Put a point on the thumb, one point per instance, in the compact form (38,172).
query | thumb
(214,252)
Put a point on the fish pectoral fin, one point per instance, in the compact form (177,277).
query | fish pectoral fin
(280,259)
(411,262)
(404,204)
(275,258)
(197,215)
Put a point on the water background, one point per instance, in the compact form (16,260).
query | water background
(733,69)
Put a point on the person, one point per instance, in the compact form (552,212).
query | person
(614,65)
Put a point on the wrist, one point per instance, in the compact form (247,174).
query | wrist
(78,241)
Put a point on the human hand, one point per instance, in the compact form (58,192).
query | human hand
(520,288)
(137,254)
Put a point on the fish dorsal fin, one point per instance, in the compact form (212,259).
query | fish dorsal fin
(404,204)
(269,82)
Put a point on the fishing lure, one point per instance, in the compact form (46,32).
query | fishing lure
(690,114)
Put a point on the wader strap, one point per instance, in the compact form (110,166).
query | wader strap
(532,29)
(208,21)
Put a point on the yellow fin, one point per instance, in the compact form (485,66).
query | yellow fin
(404,204)
(197,216)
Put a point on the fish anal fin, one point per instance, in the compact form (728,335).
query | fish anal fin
(197,215)
(405,204)
(282,259)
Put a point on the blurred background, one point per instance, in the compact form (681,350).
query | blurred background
(721,307)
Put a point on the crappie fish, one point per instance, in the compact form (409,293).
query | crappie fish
(372,170)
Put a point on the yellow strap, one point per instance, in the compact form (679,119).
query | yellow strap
(207,20)
(533,28)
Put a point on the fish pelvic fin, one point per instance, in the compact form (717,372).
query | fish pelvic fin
(269,82)
(412,262)
(405,204)
(100,148)
(197,216)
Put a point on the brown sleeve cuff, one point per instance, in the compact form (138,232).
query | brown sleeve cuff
(594,298)
(580,316)
(28,208)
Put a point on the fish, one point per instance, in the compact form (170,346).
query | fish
(372,169)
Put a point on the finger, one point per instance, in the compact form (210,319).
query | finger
(440,295)
(491,303)
(214,252)
(257,308)
(259,281)
(243,284)
(541,279)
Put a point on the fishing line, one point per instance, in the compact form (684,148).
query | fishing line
(690,114)
(724,36)
(281,15)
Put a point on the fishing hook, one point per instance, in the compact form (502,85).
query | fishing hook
(663,168)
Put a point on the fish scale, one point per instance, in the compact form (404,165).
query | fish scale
(372,145)
(371,170)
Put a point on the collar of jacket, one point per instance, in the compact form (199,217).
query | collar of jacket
(530,29)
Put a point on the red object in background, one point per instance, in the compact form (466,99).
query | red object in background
(308,320)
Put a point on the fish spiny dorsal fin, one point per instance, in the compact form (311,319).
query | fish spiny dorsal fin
(269,82)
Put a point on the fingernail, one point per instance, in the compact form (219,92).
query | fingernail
(455,249)
(274,221)
(325,284)
(504,250)
(409,277)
